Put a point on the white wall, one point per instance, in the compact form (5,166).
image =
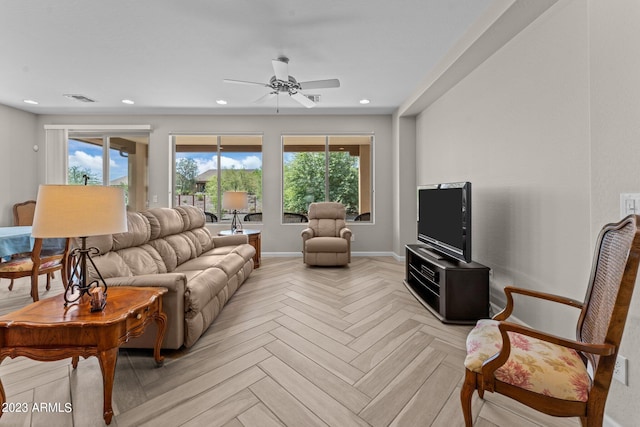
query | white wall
(18,162)
(615,139)
(547,130)
(275,236)
(517,128)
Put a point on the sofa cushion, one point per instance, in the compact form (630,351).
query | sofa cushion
(192,217)
(201,239)
(222,250)
(103,243)
(142,260)
(109,264)
(200,263)
(138,232)
(174,250)
(182,246)
(164,222)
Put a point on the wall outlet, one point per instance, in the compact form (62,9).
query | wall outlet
(620,370)
(353,237)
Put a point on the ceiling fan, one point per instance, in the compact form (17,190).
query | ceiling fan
(282,82)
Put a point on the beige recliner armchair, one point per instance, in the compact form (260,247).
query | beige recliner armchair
(327,240)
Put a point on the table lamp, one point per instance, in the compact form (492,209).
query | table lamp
(235,200)
(67,211)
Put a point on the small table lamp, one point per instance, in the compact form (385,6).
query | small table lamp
(235,200)
(80,211)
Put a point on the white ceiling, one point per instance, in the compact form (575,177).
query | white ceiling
(171,56)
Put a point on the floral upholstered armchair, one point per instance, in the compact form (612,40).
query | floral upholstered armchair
(554,375)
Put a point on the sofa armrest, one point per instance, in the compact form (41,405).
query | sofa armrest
(174,282)
(173,303)
(306,234)
(234,240)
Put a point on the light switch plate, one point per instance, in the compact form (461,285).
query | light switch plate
(629,204)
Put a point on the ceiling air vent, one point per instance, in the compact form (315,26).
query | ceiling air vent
(80,98)
(314,98)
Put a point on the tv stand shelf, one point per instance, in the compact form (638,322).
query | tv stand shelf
(454,291)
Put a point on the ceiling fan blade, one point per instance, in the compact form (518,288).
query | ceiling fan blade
(243,82)
(302,99)
(281,69)
(320,84)
(264,98)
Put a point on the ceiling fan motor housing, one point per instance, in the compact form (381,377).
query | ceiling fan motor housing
(284,86)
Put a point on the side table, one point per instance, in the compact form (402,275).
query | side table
(46,331)
(254,240)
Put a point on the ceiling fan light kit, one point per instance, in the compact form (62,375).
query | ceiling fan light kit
(282,82)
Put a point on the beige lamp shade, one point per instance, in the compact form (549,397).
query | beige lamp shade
(79,211)
(235,200)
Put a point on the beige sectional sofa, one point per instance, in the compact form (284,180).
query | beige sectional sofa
(172,248)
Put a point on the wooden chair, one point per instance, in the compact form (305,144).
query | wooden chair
(211,217)
(558,383)
(23,213)
(288,217)
(365,216)
(34,264)
(255,217)
(23,216)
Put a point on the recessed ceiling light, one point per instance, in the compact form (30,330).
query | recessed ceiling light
(221,102)
(128,101)
(364,101)
(30,101)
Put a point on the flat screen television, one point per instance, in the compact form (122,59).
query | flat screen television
(444,219)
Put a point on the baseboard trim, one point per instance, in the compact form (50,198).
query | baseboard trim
(355,254)
(495,309)
(610,422)
(281,254)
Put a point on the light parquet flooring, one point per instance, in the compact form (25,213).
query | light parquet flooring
(295,346)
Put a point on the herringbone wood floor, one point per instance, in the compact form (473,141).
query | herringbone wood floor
(295,346)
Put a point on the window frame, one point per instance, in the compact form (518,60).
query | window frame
(106,135)
(327,142)
(219,170)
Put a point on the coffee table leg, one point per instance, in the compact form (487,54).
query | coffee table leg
(107,360)
(161,321)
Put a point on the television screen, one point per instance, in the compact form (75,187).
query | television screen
(444,218)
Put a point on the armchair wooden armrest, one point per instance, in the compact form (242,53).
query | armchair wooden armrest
(510,290)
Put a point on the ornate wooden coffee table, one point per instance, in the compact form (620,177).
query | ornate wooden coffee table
(47,331)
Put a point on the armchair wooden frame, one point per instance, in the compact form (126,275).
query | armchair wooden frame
(23,212)
(598,332)
(42,263)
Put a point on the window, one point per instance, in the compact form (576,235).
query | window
(110,159)
(334,168)
(208,165)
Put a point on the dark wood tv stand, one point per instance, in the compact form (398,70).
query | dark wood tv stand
(454,291)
